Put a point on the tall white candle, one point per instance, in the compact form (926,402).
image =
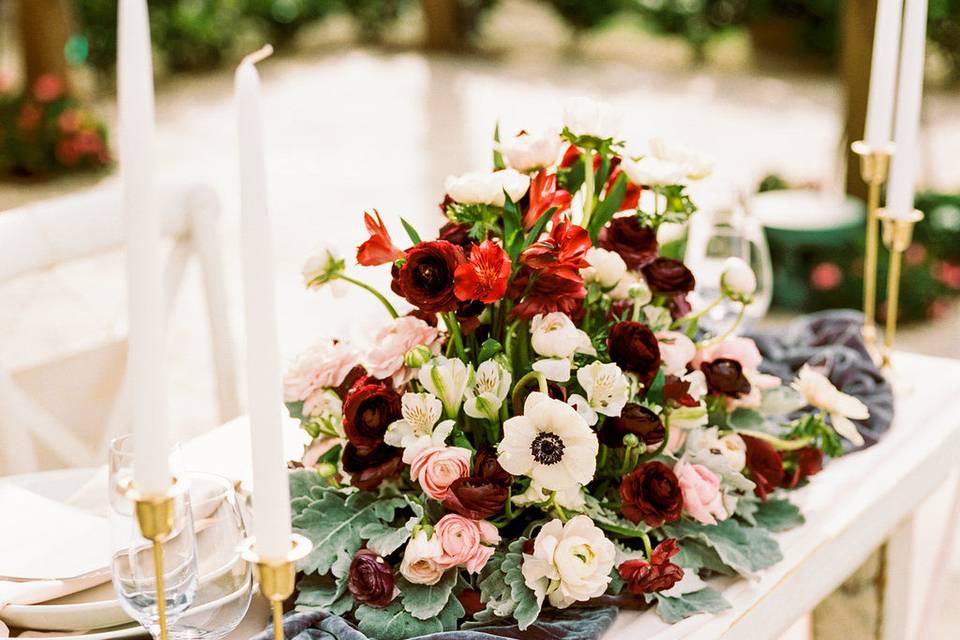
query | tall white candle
(909,97)
(883,73)
(271,494)
(144,274)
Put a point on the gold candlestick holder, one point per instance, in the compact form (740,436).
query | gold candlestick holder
(277,578)
(897,236)
(874,168)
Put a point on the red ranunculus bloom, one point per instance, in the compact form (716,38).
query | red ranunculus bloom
(659,574)
(370,580)
(378,248)
(765,465)
(426,278)
(547,293)
(543,196)
(804,462)
(725,377)
(668,276)
(369,408)
(369,467)
(678,390)
(634,347)
(484,493)
(484,276)
(636,244)
(458,234)
(636,419)
(562,253)
(651,493)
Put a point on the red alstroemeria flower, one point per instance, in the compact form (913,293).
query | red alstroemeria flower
(562,253)
(546,294)
(544,195)
(484,275)
(659,574)
(379,248)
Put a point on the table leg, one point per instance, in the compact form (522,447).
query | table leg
(896,578)
(941,567)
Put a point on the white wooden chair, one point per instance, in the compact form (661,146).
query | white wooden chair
(64,412)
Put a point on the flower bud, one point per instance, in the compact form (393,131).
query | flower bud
(631,440)
(322,267)
(640,293)
(418,356)
(326,469)
(737,280)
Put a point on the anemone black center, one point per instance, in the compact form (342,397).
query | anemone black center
(547,448)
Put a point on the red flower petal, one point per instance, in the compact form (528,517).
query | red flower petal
(379,248)
(484,276)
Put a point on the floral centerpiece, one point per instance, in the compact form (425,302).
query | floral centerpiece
(546,427)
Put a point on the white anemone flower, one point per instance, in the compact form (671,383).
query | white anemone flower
(448,379)
(527,152)
(653,172)
(491,384)
(696,165)
(322,268)
(819,392)
(607,391)
(586,117)
(550,443)
(418,429)
(487,187)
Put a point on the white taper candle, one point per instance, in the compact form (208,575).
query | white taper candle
(883,73)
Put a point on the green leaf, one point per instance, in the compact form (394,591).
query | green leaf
(498,162)
(609,206)
(488,349)
(411,232)
(538,227)
(385,539)
(302,481)
(779,515)
(747,509)
(324,592)
(495,593)
(743,548)
(424,601)
(512,227)
(333,523)
(655,393)
(745,419)
(526,603)
(393,623)
(707,600)
(696,556)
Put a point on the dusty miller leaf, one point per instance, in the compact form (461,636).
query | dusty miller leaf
(707,600)
(743,548)
(324,592)
(424,601)
(779,515)
(526,603)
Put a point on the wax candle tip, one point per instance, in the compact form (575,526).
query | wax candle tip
(260,54)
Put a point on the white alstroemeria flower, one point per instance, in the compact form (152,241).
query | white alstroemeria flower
(322,268)
(448,379)
(586,117)
(571,499)
(528,152)
(418,429)
(607,391)
(485,187)
(554,369)
(696,166)
(555,336)
(570,562)
(649,171)
(737,279)
(820,393)
(491,384)
(606,268)
(550,443)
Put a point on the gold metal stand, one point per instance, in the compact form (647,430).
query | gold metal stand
(277,578)
(874,168)
(897,236)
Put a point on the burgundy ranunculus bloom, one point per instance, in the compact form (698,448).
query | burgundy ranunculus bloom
(636,419)
(659,574)
(678,390)
(651,493)
(458,234)
(370,579)
(482,494)
(369,408)
(803,462)
(470,599)
(487,466)
(725,377)
(426,278)
(668,276)
(634,347)
(636,244)
(547,294)
(765,465)
(369,467)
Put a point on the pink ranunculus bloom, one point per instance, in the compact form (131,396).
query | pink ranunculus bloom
(676,352)
(743,350)
(322,366)
(701,492)
(464,542)
(390,344)
(436,468)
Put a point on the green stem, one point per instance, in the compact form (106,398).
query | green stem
(557,508)
(726,334)
(521,384)
(454,328)
(588,185)
(377,294)
(696,315)
(647,547)
(778,443)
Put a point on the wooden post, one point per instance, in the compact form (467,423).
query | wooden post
(443,27)
(856,51)
(44,29)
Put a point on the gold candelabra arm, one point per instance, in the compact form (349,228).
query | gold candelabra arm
(897,236)
(277,577)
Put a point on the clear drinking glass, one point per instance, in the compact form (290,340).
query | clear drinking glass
(132,564)
(226,579)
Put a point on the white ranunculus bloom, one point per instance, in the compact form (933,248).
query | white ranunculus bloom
(550,443)
(554,369)
(322,267)
(572,499)
(606,267)
(632,285)
(486,187)
(586,117)
(649,171)
(719,454)
(491,384)
(570,562)
(820,393)
(527,152)
(448,379)
(555,336)
(607,391)
(738,278)
(696,166)
(420,564)
(418,429)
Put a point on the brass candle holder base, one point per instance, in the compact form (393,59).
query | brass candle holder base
(874,168)
(897,236)
(277,578)
(155,517)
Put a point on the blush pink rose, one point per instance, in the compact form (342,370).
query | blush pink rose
(743,350)
(676,352)
(322,366)
(436,468)
(391,344)
(701,492)
(464,542)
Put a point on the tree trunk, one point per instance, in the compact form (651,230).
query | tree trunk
(856,51)
(443,28)
(44,29)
